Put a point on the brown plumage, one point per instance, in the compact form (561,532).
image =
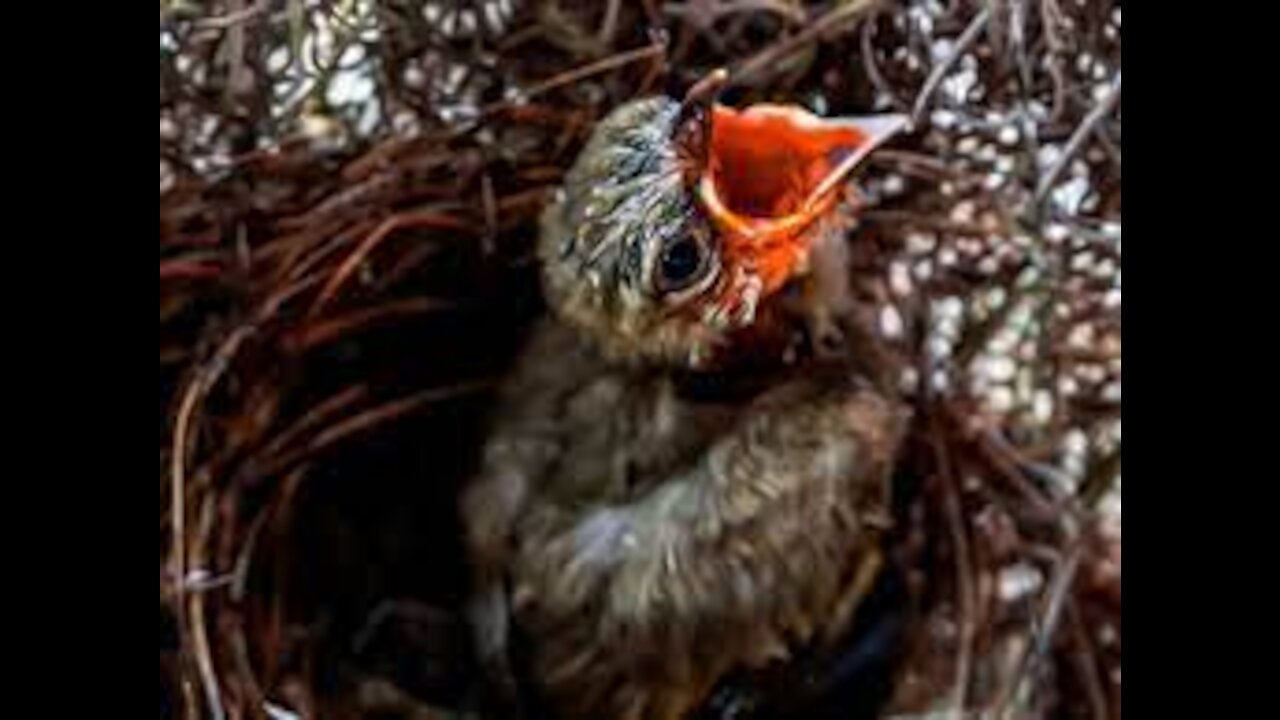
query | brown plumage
(674,488)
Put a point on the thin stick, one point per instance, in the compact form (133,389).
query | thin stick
(964,568)
(369,419)
(178,488)
(609,25)
(489,202)
(595,68)
(313,417)
(394,409)
(966,40)
(995,450)
(191,619)
(1055,600)
(1086,661)
(199,386)
(235,17)
(239,644)
(702,18)
(770,58)
(871,67)
(199,633)
(1108,147)
(181,268)
(1082,131)
(1099,479)
(337,327)
(420,218)
(238,75)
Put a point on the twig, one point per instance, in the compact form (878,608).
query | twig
(609,24)
(1095,116)
(993,447)
(490,205)
(419,218)
(703,17)
(996,30)
(313,416)
(386,610)
(1050,17)
(306,256)
(205,378)
(1055,601)
(907,159)
(1085,658)
(931,222)
(1099,479)
(771,57)
(1030,141)
(235,17)
(323,332)
(189,698)
(871,67)
(191,619)
(240,656)
(180,268)
(238,74)
(238,642)
(411,259)
(240,571)
(199,633)
(964,565)
(369,419)
(976,336)
(600,66)
(395,409)
(966,40)
(1108,147)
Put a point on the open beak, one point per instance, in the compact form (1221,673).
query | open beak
(772,171)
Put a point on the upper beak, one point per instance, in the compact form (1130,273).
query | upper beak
(772,171)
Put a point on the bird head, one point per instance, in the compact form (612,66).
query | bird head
(680,218)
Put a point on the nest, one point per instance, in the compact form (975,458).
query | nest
(348,204)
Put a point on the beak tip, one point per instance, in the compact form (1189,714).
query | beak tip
(883,127)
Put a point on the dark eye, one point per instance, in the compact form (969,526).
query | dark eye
(681,264)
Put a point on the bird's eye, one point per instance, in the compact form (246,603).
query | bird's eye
(684,260)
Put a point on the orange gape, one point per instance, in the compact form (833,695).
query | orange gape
(772,171)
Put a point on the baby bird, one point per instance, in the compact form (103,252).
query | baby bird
(674,489)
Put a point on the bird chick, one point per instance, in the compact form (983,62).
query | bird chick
(667,497)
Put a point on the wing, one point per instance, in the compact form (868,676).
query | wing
(638,608)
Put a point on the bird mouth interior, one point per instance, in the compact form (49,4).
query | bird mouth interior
(771,167)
